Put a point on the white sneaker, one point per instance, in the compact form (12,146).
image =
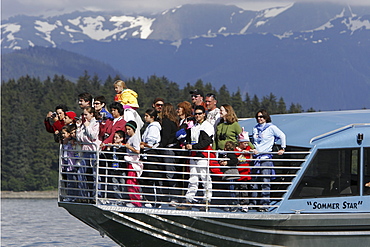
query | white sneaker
(174,203)
(103,201)
(130,205)
(148,205)
(245,209)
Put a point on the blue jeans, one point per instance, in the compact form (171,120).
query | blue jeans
(265,194)
(88,167)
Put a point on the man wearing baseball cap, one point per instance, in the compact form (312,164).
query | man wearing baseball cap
(197,97)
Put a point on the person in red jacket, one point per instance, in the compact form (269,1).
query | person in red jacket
(245,147)
(111,126)
(54,121)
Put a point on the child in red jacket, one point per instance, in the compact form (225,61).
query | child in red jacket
(245,154)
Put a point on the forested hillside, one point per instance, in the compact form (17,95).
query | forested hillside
(29,153)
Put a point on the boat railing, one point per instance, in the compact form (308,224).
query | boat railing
(336,131)
(159,178)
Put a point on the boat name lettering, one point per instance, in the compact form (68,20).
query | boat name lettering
(334,205)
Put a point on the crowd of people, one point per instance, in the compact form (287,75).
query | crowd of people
(198,127)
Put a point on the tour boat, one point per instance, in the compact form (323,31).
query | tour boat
(320,193)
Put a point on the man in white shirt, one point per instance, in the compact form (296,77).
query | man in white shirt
(201,137)
(213,115)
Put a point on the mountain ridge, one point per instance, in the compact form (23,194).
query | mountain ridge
(43,62)
(299,51)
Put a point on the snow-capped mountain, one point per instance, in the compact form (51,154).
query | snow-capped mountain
(175,24)
(314,54)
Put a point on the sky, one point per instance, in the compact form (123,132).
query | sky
(56,7)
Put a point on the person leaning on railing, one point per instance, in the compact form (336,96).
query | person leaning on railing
(88,132)
(69,162)
(230,174)
(244,154)
(200,138)
(135,167)
(169,122)
(227,129)
(264,134)
(115,154)
(153,179)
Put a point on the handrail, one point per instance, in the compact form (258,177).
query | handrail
(165,178)
(316,138)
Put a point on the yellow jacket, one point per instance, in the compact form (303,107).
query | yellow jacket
(127,97)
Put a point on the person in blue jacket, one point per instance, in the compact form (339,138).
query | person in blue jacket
(265,134)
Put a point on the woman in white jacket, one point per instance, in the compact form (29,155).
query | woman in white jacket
(88,132)
(151,139)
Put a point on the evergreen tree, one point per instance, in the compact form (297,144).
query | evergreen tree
(237,104)
(224,95)
(255,106)
(311,110)
(295,108)
(281,107)
(248,106)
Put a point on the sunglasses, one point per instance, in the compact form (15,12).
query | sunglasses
(260,117)
(195,96)
(198,113)
(159,105)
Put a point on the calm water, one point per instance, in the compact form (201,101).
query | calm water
(40,222)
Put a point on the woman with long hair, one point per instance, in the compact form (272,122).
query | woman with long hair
(151,139)
(169,122)
(88,134)
(184,112)
(228,129)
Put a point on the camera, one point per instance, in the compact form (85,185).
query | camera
(54,115)
(222,136)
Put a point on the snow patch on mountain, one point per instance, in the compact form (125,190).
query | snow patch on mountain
(94,27)
(284,35)
(354,24)
(45,30)
(142,22)
(173,10)
(260,23)
(273,12)
(329,24)
(265,15)
(9,30)
(244,29)
(30,43)
(75,21)
(44,27)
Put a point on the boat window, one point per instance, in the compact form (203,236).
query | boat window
(367,171)
(331,173)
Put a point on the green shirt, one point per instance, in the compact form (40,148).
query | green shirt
(229,131)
